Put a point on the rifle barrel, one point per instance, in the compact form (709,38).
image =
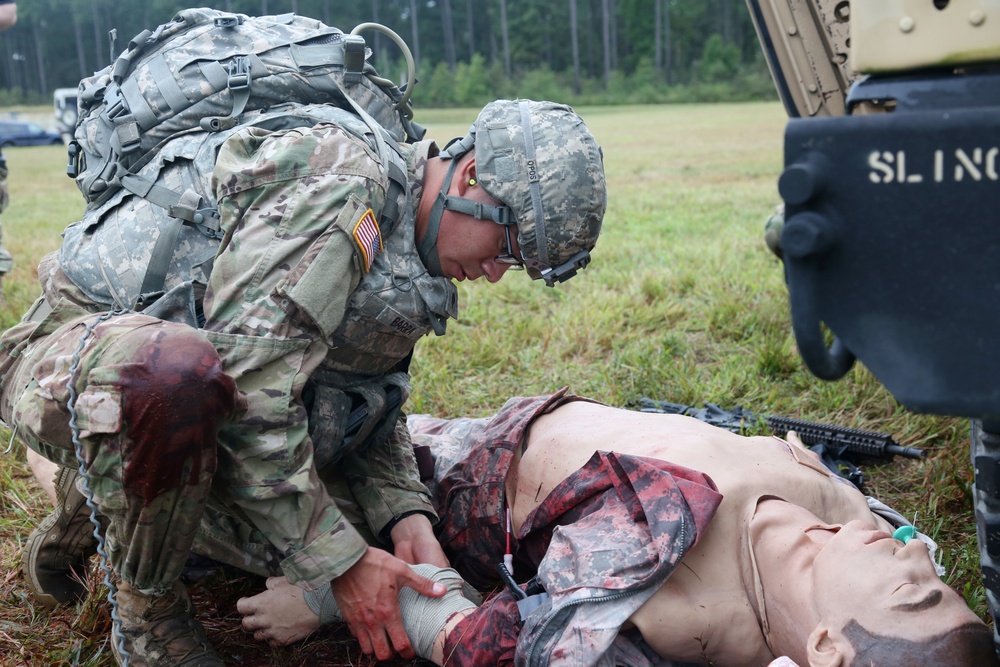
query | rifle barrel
(859,441)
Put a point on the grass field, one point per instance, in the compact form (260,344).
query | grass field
(682,302)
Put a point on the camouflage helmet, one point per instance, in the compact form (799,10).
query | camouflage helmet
(542,163)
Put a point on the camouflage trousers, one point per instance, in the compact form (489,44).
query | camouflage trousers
(623,523)
(150,397)
(6,261)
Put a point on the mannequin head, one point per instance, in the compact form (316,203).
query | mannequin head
(881,603)
(969,645)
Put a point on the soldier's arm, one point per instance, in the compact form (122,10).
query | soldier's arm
(386,483)
(280,284)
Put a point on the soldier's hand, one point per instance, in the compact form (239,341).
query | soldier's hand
(368,597)
(413,541)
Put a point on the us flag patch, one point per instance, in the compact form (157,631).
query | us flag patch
(368,237)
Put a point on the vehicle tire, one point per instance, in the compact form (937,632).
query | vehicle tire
(6,144)
(68,118)
(986,492)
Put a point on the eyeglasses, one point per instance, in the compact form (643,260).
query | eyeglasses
(509,258)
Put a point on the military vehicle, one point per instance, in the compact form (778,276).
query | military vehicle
(891,189)
(64,110)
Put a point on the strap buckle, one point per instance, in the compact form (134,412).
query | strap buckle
(239,73)
(567,269)
(230,21)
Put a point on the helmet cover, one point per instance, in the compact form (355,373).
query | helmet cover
(540,160)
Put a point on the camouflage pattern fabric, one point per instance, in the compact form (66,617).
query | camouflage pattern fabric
(619,525)
(601,543)
(471,459)
(108,253)
(150,398)
(290,295)
(208,64)
(542,162)
(6,261)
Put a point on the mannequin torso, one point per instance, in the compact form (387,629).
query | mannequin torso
(711,600)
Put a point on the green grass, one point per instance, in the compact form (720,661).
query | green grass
(682,302)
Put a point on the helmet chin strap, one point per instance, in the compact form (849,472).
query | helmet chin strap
(427,248)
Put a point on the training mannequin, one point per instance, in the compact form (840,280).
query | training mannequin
(788,559)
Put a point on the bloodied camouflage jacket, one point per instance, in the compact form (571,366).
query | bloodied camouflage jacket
(309,295)
(600,543)
(605,539)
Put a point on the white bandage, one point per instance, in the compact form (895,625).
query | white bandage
(423,617)
(321,602)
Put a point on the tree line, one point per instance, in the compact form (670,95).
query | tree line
(467,51)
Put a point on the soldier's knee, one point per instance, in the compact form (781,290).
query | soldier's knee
(175,380)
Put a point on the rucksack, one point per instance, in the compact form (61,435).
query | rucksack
(151,124)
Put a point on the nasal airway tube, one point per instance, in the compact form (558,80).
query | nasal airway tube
(904,534)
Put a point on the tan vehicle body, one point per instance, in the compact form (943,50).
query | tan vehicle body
(817,48)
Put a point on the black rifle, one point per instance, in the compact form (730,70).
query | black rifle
(357,416)
(839,439)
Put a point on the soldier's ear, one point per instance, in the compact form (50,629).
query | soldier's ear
(828,648)
(466,176)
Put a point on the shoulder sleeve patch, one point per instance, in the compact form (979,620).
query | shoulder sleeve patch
(368,236)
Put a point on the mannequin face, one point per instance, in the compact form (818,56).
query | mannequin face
(862,573)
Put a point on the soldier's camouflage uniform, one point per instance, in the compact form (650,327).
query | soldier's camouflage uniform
(6,261)
(601,543)
(230,437)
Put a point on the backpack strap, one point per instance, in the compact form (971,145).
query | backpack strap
(238,79)
(183,208)
(186,207)
(189,208)
(388,151)
(390,214)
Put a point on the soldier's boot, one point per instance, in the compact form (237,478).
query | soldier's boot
(161,631)
(55,558)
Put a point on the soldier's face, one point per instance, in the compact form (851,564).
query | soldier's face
(468,248)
